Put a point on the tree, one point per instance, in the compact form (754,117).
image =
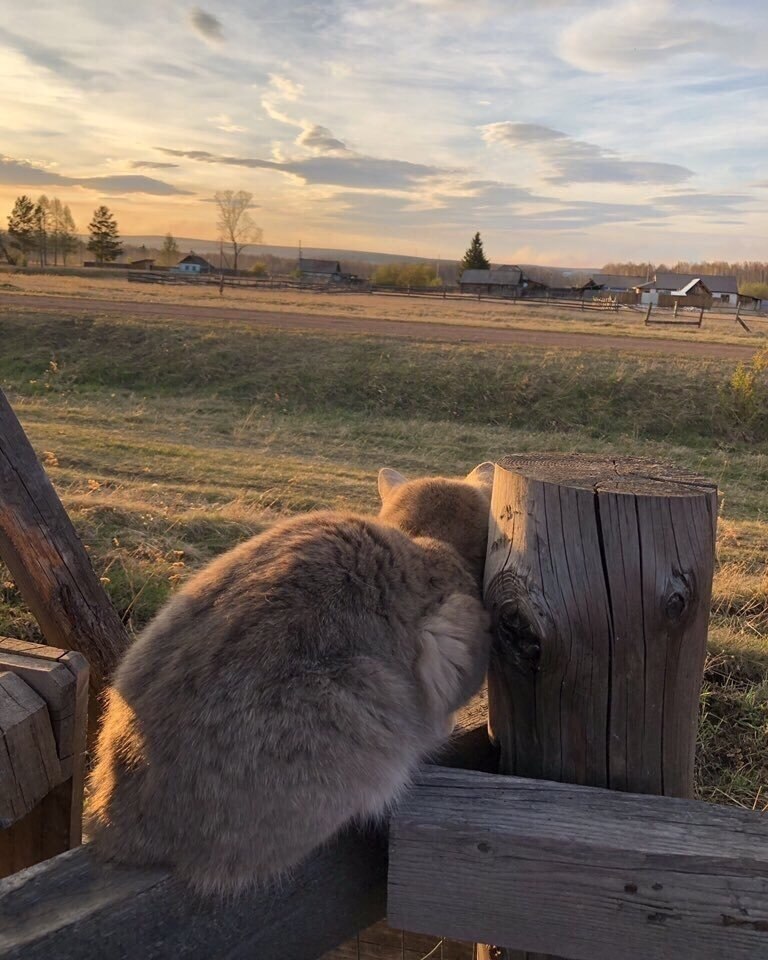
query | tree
(43,224)
(169,252)
(105,239)
(67,240)
(23,226)
(475,258)
(235,223)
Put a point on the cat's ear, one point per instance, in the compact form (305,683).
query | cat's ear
(482,474)
(389,481)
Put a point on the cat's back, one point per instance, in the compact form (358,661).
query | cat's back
(308,586)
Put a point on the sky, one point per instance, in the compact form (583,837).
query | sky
(568,133)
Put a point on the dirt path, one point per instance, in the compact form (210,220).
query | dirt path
(388,328)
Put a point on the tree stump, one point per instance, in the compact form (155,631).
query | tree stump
(598,577)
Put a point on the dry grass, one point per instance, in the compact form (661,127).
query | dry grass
(716,329)
(168,456)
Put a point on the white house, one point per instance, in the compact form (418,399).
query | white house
(192,263)
(724,290)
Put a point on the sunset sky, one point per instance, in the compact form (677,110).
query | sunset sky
(569,133)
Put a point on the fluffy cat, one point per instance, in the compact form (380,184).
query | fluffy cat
(294,684)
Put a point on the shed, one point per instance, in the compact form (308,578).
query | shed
(498,281)
(319,269)
(612,283)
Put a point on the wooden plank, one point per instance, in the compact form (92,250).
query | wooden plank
(28,761)
(75,907)
(579,872)
(85,909)
(49,563)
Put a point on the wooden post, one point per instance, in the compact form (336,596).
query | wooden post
(674,312)
(648,313)
(701,316)
(598,577)
(42,755)
(49,563)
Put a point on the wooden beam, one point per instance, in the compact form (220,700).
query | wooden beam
(48,562)
(578,872)
(76,908)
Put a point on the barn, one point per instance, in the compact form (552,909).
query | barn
(316,270)
(498,282)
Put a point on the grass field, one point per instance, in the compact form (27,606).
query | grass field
(170,441)
(716,328)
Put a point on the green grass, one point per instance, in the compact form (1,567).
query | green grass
(169,443)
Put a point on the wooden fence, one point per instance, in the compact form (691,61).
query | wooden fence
(598,578)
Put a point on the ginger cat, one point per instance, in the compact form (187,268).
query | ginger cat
(294,684)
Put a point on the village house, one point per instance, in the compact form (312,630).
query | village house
(721,290)
(508,281)
(329,270)
(612,283)
(193,263)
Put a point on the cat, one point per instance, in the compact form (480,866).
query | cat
(293,686)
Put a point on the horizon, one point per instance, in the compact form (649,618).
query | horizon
(626,132)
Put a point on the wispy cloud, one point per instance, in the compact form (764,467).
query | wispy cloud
(576,161)
(24,174)
(373,173)
(52,59)
(152,165)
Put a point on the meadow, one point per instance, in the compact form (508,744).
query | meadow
(171,440)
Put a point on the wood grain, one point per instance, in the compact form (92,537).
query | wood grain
(598,575)
(578,872)
(49,563)
(58,680)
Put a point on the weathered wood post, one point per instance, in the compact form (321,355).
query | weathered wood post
(49,563)
(598,576)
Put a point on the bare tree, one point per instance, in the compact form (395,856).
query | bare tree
(235,223)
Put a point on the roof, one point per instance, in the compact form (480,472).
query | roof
(194,258)
(499,275)
(616,281)
(319,266)
(689,287)
(676,281)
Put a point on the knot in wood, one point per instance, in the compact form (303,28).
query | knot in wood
(675,606)
(516,637)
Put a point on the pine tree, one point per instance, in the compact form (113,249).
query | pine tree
(105,240)
(169,252)
(474,258)
(23,226)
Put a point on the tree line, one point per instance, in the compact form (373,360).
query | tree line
(44,230)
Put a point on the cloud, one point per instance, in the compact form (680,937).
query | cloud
(372,173)
(646,33)
(287,88)
(207,26)
(576,161)
(281,88)
(152,165)
(51,59)
(704,204)
(24,174)
(224,122)
(320,140)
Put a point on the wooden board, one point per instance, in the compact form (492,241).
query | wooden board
(578,872)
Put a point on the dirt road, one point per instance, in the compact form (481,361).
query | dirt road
(387,328)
